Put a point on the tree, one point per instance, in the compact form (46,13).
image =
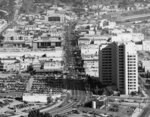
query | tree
(123,4)
(42,66)
(2,37)
(3,116)
(133,93)
(57,115)
(44,55)
(30,68)
(96,90)
(88,27)
(34,113)
(46,115)
(31,22)
(37,113)
(49,100)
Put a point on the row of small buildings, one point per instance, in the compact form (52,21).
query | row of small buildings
(21,63)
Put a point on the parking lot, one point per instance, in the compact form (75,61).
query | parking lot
(13,107)
(125,111)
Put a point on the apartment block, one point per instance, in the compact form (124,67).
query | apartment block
(118,65)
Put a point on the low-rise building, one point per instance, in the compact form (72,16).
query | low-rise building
(12,67)
(93,39)
(35,97)
(127,37)
(47,43)
(146,64)
(146,46)
(53,65)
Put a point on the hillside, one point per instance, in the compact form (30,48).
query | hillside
(93,1)
(29,5)
(8,6)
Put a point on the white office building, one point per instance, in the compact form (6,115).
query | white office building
(118,65)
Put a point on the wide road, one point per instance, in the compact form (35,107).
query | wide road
(77,98)
(51,108)
(146,110)
(80,99)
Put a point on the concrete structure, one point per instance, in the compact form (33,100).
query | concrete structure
(13,39)
(12,66)
(146,44)
(107,24)
(91,67)
(52,16)
(94,104)
(19,61)
(53,54)
(146,64)
(47,43)
(127,37)
(57,65)
(56,96)
(93,39)
(89,55)
(118,65)
(35,97)
(36,64)
(139,47)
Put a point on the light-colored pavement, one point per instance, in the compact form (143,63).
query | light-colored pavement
(67,105)
(5,108)
(51,107)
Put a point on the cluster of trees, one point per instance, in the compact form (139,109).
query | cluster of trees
(90,84)
(76,3)
(2,15)
(94,85)
(3,116)
(141,69)
(30,69)
(145,75)
(37,113)
(89,104)
(1,38)
(27,6)
(63,1)
(7,5)
(134,93)
(45,1)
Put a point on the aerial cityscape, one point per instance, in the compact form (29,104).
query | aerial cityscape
(74,58)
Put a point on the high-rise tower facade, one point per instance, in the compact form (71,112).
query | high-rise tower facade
(118,65)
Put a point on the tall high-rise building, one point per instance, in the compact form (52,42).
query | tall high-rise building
(118,65)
